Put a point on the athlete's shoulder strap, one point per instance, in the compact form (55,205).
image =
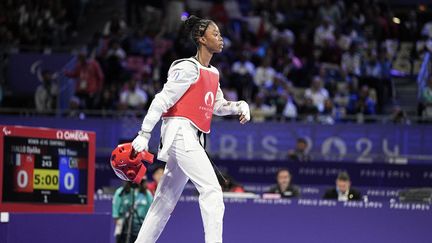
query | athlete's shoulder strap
(190,59)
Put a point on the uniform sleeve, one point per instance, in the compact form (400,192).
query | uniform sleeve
(223,107)
(180,77)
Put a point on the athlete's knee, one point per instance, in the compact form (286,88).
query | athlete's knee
(213,193)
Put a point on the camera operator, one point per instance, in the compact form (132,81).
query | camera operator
(123,212)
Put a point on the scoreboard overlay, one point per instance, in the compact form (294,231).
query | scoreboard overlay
(46,170)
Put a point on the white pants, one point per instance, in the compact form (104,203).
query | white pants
(183,165)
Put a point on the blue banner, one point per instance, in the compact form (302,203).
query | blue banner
(367,143)
(319,173)
(25,69)
(352,142)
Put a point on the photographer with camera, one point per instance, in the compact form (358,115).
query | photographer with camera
(128,218)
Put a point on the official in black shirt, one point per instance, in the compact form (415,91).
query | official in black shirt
(343,191)
(283,186)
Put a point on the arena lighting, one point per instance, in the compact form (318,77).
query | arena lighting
(396,20)
(184,16)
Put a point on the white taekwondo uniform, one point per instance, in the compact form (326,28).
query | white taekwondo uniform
(181,149)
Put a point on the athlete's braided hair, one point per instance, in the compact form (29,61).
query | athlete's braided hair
(196,27)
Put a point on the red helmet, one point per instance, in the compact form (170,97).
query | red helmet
(128,164)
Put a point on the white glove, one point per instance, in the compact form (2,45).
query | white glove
(140,143)
(243,110)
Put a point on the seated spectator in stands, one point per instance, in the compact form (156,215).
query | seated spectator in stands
(133,97)
(116,51)
(410,28)
(303,47)
(376,74)
(351,61)
(324,31)
(328,115)
(427,99)
(121,207)
(317,93)
(261,111)
(116,26)
(341,99)
(331,10)
(308,111)
(399,116)
(156,176)
(299,153)
(46,93)
(343,191)
(243,71)
(89,80)
(427,30)
(331,53)
(290,109)
(284,186)
(361,102)
(142,44)
(108,100)
(228,184)
(264,73)
(277,92)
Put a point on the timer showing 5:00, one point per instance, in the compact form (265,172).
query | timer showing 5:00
(27,178)
(45,179)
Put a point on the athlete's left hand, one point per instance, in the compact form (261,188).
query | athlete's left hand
(244,112)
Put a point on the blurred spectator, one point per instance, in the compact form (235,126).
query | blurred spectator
(399,116)
(156,176)
(122,209)
(410,28)
(308,111)
(264,73)
(361,102)
(343,191)
(328,115)
(427,99)
(351,61)
(243,72)
(303,47)
(331,10)
(116,26)
(290,109)
(325,31)
(132,96)
(331,53)
(46,93)
(299,153)
(89,80)
(261,111)
(341,99)
(141,44)
(377,75)
(317,93)
(108,99)
(427,30)
(116,51)
(276,93)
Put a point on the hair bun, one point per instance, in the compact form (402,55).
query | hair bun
(191,22)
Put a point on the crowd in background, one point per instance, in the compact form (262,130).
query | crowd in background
(34,25)
(310,60)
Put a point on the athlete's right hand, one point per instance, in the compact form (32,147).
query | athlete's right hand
(140,143)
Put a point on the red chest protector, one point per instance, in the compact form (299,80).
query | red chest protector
(198,102)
